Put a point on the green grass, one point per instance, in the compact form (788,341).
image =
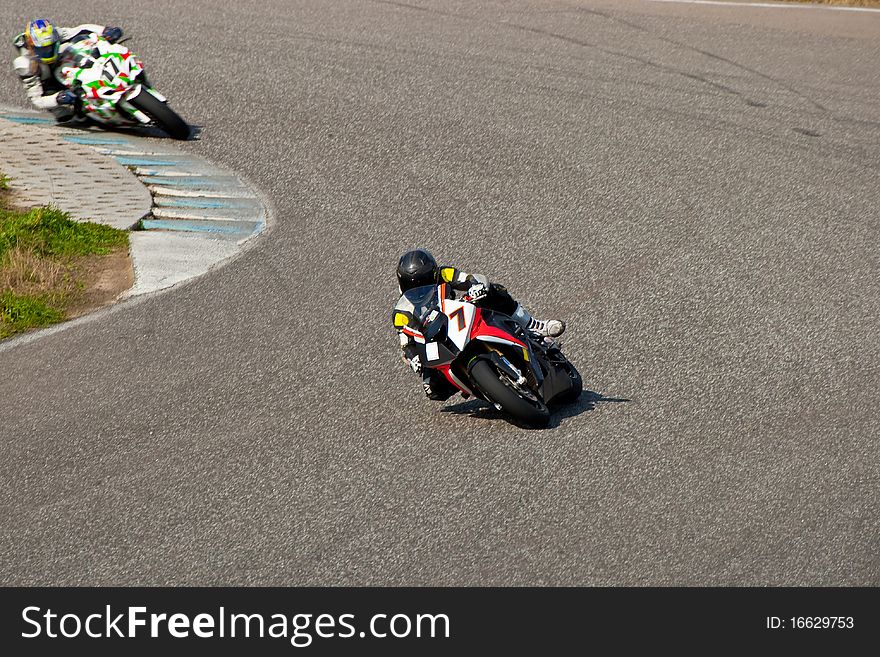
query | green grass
(20,313)
(41,253)
(50,232)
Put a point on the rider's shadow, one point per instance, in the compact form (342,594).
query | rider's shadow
(485,411)
(150,131)
(195,132)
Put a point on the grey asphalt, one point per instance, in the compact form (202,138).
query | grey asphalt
(694,188)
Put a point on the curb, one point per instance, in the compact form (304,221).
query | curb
(46,169)
(189,215)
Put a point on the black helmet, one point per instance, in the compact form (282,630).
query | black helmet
(416,268)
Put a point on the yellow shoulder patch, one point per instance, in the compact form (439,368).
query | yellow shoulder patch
(447,274)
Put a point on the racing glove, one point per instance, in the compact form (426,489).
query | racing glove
(112,34)
(477,291)
(66,97)
(415,363)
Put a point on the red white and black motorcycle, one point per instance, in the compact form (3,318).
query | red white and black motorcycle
(487,354)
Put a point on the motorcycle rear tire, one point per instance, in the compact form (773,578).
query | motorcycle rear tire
(161,114)
(535,414)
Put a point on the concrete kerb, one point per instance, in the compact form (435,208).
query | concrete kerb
(47,170)
(191,216)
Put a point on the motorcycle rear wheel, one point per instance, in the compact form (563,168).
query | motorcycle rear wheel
(161,114)
(532,412)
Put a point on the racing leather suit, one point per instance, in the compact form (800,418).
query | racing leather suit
(38,78)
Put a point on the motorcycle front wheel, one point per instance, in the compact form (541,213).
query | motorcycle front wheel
(531,411)
(163,116)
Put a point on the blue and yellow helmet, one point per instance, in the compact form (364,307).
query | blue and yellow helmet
(43,38)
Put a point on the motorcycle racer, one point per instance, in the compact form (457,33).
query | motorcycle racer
(40,48)
(417,268)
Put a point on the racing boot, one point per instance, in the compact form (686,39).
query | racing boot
(436,387)
(548,328)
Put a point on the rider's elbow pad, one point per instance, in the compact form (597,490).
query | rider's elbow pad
(480,278)
(25,67)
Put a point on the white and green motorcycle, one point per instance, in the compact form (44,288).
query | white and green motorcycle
(112,88)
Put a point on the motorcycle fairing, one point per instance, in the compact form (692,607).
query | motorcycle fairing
(109,75)
(461,319)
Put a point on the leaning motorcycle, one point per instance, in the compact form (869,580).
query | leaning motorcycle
(113,89)
(487,354)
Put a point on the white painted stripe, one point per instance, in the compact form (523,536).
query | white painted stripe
(180,213)
(492,338)
(769,5)
(103,150)
(164,190)
(170,173)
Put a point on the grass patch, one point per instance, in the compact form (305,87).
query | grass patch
(43,259)
(21,312)
(50,232)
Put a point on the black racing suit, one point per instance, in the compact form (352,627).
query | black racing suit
(497,298)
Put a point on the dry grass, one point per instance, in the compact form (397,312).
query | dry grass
(24,272)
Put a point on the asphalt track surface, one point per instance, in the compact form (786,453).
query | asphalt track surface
(694,188)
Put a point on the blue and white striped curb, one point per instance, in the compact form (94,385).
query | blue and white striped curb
(200,214)
(238,213)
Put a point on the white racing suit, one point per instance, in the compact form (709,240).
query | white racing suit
(38,78)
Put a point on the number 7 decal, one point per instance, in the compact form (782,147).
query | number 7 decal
(460,315)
